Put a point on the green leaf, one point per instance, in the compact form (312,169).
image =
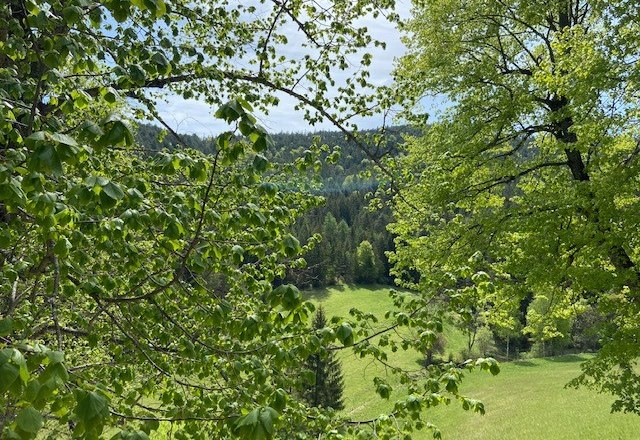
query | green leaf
(55,357)
(162,63)
(269,189)
(291,297)
(258,424)
(261,143)
(291,245)
(452,386)
(62,247)
(91,407)
(63,139)
(118,134)
(8,375)
(279,399)
(260,163)
(52,60)
(267,418)
(120,10)
(161,8)
(6,326)
(237,253)
(113,190)
(38,136)
(111,95)
(345,334)
(383,389)
(29,420)
(174,230)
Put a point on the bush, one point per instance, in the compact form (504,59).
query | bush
(437,348)
(485,343)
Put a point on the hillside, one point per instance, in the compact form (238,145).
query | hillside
(344,220)
(526,401)
(341,176)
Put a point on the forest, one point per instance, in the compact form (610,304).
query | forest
(345,282)
(343,220)
(350,245)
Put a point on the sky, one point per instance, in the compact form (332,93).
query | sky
(192,116)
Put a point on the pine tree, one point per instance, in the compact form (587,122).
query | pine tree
(327,390)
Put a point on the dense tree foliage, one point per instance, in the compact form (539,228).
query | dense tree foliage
(530,179)
(342,222)
(348,165)
(137,286)
(367,265)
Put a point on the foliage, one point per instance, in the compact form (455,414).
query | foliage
(569,414)
(331,259)
(586,329)
(359,372)
(138,286)
(347,165)
(437,347)
(535,164)
(328,383)
(367,266)
(549,328)
(485,343)
(343,221)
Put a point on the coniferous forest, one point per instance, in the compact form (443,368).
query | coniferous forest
(344,220)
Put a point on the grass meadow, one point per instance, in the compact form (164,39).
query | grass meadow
(527,400)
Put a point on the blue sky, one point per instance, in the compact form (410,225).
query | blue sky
(192,116)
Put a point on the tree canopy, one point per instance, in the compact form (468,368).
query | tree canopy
(138,286)
(530,179)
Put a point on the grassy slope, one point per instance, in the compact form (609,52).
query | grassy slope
(359,373)
(527,400)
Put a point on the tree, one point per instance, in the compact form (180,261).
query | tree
(535,164)
(485,342)
(344,252)
(548,327)
(328,382)
(329,248)
(507,333)
(367,268)
(137,286)
(437,347)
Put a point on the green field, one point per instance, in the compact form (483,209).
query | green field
(527,400)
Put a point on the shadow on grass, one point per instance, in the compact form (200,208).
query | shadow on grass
(523,363)
(321,293)
(567,358)
(318,295)
(372,287)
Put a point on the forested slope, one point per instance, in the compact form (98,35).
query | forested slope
(354,238)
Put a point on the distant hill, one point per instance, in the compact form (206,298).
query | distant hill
(344,221)
(342,176)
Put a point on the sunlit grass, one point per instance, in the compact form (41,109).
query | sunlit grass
(361,402)
(527,400)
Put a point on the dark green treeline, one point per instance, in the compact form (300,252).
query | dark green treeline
(354,238)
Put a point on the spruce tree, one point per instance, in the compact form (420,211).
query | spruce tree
(327,390)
